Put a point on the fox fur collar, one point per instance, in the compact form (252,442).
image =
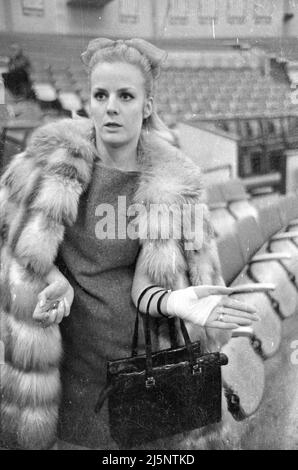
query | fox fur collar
(39,195)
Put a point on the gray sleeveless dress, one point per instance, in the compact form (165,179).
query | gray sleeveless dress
(100,325)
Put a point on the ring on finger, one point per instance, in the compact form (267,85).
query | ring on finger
(44,318)
(55,305)
(42,322)
(220,317)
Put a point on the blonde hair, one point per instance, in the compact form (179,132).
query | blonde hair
(119,51)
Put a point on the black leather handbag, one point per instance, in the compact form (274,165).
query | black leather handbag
(160,394)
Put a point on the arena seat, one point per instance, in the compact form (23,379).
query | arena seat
(242,399)
(234,261)
(289,209)
(279,243)
(266,333)
(237,199)
(269,219)
(230,256)
(70,101)
(266,267)
(45,92)
(282,214)
(222,221)
(273,212)
(243,395)
(279,240)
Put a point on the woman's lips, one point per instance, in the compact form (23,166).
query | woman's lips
(112,125)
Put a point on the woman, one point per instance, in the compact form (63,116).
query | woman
(59,238)
(18,76)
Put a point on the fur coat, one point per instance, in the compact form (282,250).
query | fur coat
(39,195)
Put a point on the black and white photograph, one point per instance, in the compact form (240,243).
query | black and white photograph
(148,227)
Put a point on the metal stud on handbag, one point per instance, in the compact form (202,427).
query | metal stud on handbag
(160,394)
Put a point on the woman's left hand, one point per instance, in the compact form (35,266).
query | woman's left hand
(230,314)
(54,303)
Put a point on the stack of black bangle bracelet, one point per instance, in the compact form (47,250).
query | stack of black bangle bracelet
(164,292)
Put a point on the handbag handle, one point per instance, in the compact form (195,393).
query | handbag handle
(148,345)
(134,348)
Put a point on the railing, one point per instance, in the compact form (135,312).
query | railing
(217,174)
(261,147)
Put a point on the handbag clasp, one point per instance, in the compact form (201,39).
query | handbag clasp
(150,382)
(197,369)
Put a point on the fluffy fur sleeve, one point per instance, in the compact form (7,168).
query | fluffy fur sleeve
(40,191)
(39,195)
(176,231)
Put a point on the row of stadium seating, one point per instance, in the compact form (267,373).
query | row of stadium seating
(184,91)
(194,84)
(203,59)
(257,241)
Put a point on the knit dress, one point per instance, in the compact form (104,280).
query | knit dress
(101,321)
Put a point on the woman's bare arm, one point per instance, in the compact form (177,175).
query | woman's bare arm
(200,305)
(140,282)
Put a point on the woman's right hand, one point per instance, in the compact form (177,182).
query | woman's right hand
(210,306)
(54,302)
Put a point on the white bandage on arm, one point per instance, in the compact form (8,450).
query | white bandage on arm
(184,303)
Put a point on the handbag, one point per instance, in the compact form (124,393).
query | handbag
(157,395)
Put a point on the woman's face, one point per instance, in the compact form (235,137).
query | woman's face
(118,102)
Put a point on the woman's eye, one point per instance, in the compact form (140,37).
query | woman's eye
(126,96)
(99,96)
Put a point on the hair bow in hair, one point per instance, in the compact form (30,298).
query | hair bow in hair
(155,55)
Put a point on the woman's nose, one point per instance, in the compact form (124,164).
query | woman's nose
(112,105)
